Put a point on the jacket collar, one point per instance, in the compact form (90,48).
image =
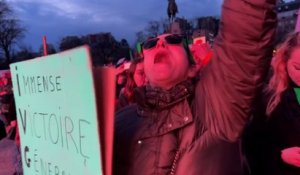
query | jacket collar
(164,111)
(157,99)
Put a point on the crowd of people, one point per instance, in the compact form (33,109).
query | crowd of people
(236,114)
(10,156)
(191,108)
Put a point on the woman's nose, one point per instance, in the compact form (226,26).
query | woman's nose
(160,43)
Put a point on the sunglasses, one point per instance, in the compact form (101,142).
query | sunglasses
(170,39)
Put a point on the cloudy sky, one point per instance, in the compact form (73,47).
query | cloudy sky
(123,18)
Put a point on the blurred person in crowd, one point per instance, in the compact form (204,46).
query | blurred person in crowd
(135,78)
(10,156)
(9,116)
(182,124)
(272,141)
(2,130)
(121,75)
(7,105)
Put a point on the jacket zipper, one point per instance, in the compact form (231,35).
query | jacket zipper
(174,163)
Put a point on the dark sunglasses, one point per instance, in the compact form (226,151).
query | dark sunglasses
(170,39)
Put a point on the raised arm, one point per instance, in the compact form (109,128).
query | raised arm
(242,50)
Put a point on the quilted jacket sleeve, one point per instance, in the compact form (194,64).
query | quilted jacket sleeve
(229,84)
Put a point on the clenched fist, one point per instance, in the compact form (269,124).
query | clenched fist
(291,156)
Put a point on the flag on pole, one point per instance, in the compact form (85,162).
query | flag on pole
(45,46)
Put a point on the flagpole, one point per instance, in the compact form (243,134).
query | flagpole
(45,46)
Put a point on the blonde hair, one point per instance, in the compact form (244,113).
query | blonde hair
(280,80)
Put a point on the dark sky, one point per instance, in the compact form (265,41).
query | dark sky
(123,18)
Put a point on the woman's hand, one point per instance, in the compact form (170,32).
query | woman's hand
(291,156)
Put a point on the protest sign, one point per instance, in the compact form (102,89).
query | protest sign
(105,85)
(58,115)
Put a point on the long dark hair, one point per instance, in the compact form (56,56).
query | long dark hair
(130,84)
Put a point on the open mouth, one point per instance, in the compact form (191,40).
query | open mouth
(161,57)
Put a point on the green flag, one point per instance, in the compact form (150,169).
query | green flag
(139,48)
(297,92)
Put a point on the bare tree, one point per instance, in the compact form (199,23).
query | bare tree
(153,28)
(10,30)
(4,9)
(140,36)
(70,42)
(25,53)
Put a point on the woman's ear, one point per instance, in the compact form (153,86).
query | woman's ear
(141,55)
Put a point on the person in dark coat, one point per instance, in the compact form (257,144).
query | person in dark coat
(135,78)
(272,141)
(10,156)
(183,125)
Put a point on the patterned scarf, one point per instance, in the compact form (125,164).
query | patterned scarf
(157,99)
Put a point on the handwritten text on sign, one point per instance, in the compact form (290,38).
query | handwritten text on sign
(57,116)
